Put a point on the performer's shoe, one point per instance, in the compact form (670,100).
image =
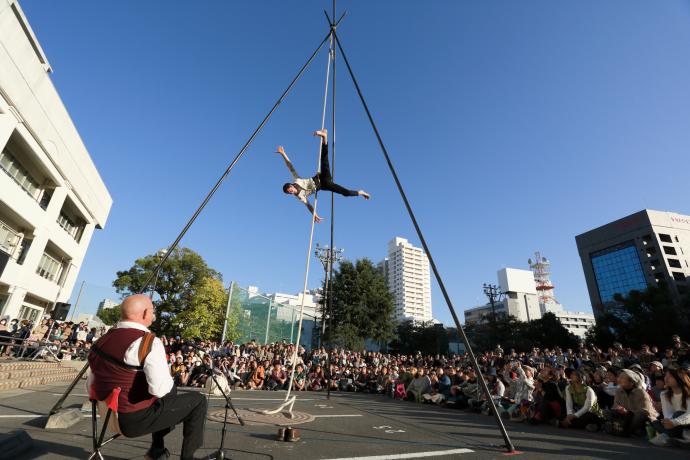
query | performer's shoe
(157,454)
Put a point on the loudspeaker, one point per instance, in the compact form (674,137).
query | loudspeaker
(60,311)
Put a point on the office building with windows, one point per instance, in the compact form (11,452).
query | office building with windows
(648,248)
(51,195)
(407,273)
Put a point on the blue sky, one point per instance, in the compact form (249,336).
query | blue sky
(514,127)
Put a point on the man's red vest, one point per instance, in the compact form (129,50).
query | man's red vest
(108,374)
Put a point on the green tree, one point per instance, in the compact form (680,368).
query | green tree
(205,313)
(643,317)
(507,331)
(430,339)
(180,277)
(362,306)
(110,316)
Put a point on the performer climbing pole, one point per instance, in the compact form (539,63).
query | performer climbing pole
(302,187)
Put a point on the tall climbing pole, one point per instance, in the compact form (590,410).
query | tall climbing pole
(331,256)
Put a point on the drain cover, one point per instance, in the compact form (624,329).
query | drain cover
(257,417)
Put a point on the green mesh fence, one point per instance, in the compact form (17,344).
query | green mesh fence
(266,321)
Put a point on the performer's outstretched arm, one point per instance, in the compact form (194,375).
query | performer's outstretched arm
(287,161)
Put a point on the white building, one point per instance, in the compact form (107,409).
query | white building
(576,322)
(51,195)
(407,273)
(520,298)
(311,305)
(106,304)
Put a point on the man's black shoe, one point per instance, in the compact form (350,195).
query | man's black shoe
(157,454)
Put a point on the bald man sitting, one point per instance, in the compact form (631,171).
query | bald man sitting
(126,357)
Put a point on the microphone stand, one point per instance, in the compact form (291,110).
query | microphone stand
(220,453)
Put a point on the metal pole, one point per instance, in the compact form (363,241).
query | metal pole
(76,303)
(292,325)
(437,275)
(227,313)
(329,273)
(268,320)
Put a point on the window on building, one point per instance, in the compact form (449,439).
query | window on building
(618,270)
(18,173)
(45,198)
(665,238)
(678,276)
(675,263)
(670,250)
(29,313)
(8,238)
(49,268)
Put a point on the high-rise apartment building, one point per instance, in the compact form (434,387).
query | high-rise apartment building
(407,273)
(648,248)
(51,195)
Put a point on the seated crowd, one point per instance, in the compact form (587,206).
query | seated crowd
(67,340)
(620,391)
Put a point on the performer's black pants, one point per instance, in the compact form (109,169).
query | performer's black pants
(160,418)
(324,180)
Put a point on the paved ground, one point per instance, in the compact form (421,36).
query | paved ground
(346,426)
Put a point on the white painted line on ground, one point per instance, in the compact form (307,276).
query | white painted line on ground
(336,416)
(410,455)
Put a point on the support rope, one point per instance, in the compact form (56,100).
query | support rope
(290,401)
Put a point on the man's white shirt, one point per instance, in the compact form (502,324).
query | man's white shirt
(155,366)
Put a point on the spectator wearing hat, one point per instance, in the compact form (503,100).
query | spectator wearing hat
(632,407)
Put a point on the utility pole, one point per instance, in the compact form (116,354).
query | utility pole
(494,293)
(328,256)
